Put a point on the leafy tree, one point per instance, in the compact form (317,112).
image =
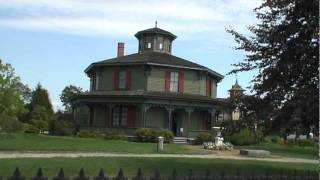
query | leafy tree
(284,47)
(67,94)
(11,100)
(40,117)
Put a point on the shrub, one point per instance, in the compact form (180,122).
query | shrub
(273,139)
(146,135)
(244,137)
(9,124)
(115,135)
(89,134)
(29,128)
(302,142)
(203,137)
(168,135)
(61,127)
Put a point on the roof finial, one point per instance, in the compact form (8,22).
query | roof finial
(156,24)
(236,79)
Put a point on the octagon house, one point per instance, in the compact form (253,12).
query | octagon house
(150,89)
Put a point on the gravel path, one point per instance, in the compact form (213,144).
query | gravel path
(39,154)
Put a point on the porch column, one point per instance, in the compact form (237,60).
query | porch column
(110,108)
(213,117)
(144,109)
(170,110)
(189,111)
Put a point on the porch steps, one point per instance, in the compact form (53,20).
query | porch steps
(180,140)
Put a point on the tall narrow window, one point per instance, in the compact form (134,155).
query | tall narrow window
(174,81)
(116,116)
(148,45)
(120,116)
(160,43)
(122,79)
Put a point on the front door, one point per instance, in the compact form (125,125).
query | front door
(176,125)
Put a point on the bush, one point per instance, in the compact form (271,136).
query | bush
(273,139)
(168,135)
(203,137)
(302,142)
(29,128)
(61,127)
(146,135)
(115,135)
(62,124)
(89,134)
(244,137)
(9,124)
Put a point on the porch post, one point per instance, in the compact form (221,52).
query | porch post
(213,116)
(169,109)
(189,111)
(110,106)
(144,109)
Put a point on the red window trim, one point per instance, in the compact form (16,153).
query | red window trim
(181,82)
(167,80)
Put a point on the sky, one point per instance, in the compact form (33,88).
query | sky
(53,41)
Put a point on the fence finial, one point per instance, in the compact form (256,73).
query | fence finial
(16,175)
(39,175)
(60,175)
(82,175)
(101,175)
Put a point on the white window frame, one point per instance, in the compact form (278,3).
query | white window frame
(174,81)
(122,79)
(149,45)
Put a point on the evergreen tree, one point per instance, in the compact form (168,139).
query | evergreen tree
(284,48)
(40,97)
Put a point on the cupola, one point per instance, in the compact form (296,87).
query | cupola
(236,90)
(155,39)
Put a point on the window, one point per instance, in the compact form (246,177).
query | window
(122,79)
(120,115)
(148,45)
(174,81)
(93,82)
(160,42)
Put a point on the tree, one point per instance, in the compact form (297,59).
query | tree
(284,47)
(67,94)
(11,96)
(40,97)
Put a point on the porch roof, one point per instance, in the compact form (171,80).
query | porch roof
(150,95)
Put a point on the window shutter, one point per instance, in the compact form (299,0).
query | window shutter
(208,86)
(131,117)
(167,80)
(205,121)
(128,79)
(181,82)
(116,79)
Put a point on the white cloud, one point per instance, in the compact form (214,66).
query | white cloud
(126,17)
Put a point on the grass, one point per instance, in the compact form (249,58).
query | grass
(111,165)
(307,152)
(34,142)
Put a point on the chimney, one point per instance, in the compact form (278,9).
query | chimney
(120,49)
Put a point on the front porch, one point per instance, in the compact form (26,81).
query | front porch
(183,121)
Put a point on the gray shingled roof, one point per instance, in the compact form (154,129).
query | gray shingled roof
(153,58)
(155,30)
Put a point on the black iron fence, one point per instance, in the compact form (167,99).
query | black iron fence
(156,176)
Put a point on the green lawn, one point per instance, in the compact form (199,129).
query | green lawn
(27,142)
(286,150)
(91,166)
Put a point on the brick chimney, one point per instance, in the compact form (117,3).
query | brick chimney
(120,49)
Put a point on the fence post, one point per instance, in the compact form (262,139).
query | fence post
(120,176)
(39,175)
(174,175)
(60,175)
(16,175)
(156,175)
(139,175)
(190,176)
(81,176)
(101,175)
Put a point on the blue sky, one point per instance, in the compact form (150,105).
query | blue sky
(53,41)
